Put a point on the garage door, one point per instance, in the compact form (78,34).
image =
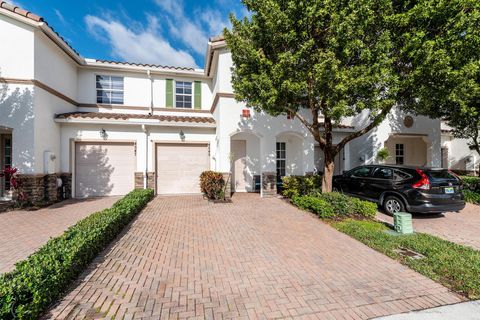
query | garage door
(104,169)
(179,167)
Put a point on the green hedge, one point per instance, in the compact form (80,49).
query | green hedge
(300,185)
(335,205)
(471,183)
(471,196)
(42,278)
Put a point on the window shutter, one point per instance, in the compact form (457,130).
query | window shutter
(169,93)
(198,95)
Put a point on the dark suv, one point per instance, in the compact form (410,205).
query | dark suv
(403,188)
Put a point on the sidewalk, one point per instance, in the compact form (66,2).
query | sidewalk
(465,311)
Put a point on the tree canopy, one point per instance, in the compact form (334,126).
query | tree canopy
(326,60)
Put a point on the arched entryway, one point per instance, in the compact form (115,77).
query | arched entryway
(245,162)
(409,150)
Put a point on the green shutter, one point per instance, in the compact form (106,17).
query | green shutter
(197,102)
(169,93)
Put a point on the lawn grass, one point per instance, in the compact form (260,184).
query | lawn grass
(455,266)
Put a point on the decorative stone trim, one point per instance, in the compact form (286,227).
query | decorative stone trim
(139,180)
(269,184)
(44,187)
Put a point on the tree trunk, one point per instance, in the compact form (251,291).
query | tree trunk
(328,172)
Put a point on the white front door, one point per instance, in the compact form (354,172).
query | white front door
(239,166)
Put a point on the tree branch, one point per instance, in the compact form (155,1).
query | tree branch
(376,121)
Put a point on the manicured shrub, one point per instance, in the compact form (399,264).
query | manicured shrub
(471,183)
(336,205)
(212,185)
(318,206)
(301,185)
(42,278)
(471,196)
(366,209)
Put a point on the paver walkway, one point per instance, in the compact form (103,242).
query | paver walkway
(254,258)
(23,232)
(461,227)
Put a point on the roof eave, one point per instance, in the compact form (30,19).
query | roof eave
(137,122)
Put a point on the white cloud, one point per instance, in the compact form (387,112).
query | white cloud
(60,16)
(144,45)
(193,33)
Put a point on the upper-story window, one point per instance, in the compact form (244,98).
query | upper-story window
(183,94)
(109,89)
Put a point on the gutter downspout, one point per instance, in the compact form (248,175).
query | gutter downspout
(145,174)
(149,74)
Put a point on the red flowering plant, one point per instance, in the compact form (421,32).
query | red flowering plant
(10,174)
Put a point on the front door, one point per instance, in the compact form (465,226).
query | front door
(239,179)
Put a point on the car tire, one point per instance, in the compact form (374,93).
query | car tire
(392,204)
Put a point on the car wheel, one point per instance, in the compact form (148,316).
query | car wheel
(393,205)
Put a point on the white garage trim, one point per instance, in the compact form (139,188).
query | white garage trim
(205,166)
(73,159)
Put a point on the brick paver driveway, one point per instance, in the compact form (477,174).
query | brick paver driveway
(23,232)
(461,227)
(254,258)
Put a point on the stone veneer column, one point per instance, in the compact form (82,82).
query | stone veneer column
(269,184)
(139,180)
(43,187)
(228,184)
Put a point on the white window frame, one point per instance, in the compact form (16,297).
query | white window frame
(110,90)
(184,95)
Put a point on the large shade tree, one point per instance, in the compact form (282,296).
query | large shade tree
(324,60)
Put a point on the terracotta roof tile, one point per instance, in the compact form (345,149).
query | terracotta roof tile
(125,116)
(145,65)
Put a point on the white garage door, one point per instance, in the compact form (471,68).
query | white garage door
(179,167)
(104,169)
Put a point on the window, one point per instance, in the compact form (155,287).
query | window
(401,176)
(109,90)
(361,172)
(183,94)
(399,153)
(7,149)
(383,173)
(281,160)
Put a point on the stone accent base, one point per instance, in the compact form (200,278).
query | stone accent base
(139,180)
(43,187)
(269,184)
(228,184)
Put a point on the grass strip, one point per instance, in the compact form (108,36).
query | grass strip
(454,266)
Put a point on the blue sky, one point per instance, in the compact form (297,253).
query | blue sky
(167,32)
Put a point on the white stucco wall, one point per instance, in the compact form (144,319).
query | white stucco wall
(459,154)
(367,146)
(16,52)
(17,114)
(54,67)
(137,89)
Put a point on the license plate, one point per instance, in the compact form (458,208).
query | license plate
(449,190)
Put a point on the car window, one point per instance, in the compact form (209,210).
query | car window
(441,175)
(401,175)
(383,173)
(361,172)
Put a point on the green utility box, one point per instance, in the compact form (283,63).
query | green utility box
(402,222)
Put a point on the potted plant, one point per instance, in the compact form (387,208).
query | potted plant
(383,154)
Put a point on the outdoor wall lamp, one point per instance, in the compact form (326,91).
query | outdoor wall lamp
(182,135)
(103,134)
